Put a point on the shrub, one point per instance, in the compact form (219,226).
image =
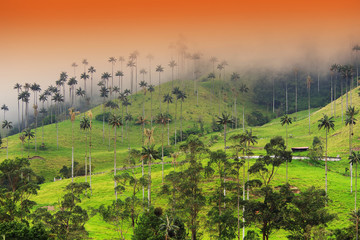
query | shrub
(256,118)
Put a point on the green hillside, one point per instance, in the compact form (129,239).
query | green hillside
(302,173)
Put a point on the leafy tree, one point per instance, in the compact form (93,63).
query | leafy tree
(20,230)
(305,212)
(8,126)
(276,155)
(148,153)
(326,123)
(268,214)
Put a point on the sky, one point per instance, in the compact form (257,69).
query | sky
(41,38)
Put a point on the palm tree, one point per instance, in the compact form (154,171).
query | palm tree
(148,153)
(115,121)
(326,123)
(351,121)
(121,60)
(162,119)
(248,138)
(85,124)
(143,72)
(235,77)
(104,93)
(355,159)
(133,57)
(111,105)
(151,89)
(296,70)
(286,120)
(168,226)
(143,85)
(85,77)
(24,96)
(35,88)
(150,57)
(63,79)
(149,134)
(8,126)
(120,74)
(72,83)
(181,96)
(74,65)
(168,99)
(172,64)
(213,60)
(175,91)
(220,67)
(85,63)
(57,98)
(5,109)
(112,60)
(91,70)
(72,119)
(29,135)
(43,111)
(18,88)
(35,107)
(224,120)
(131,65)
(308,85)
(125,103)
(142,121)
(346,72)
(333,70)
(80,93)
(128,118)
(105,77)
(356,48)
(212,77)
(243,89)
(159,69)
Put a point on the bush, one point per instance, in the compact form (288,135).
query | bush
(100,117)
(186,133)
(168,150)
(256,118)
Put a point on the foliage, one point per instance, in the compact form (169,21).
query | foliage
(168,150)
(79,170)
(185,134)
(316,151)
(256,118)
(100,116)
(20,230)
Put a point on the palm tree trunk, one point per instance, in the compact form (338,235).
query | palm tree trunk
(286,148)
(296,97)
(181,118)
(357,218)
(248,161)
(175,118)
(115,163)
(342,109)
(151,116)
(162,153)
(309,107)
(238,205)
(7,147)
(86,164)
(243,120)
(104,122)
(350,149)
(90,172)
(224,165)
(72,153)
(149,184)
(326,164)
(142,174)
(243,210)
(168,125)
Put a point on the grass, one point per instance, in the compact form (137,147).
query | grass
(302,174)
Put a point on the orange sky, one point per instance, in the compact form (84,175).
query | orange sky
(45,36)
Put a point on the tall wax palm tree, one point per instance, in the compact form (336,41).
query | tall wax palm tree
(326,123)
(57,98)
(85,125)
(150,58)
(122,98)
(91,70)
(112,60)
(212,77)
(142,121)
(116,90)
(104,93)
(24,96)
(308,86)
(159,69)
(224,120)
(120,74)
(5,109)
(149,140)
(172,65)
(333,70)
(72,83)
(181,96)
(162,119)
(131,65)
(351,121)
(134,57)
(149,153)
(85,77)
(43,112)
(18,88)
(143,85)
(53,90)
(224,63)
(175,91)
(111,105)
(235,77)
(28,134)
(151,89)
(80,93)
(121,60)
(354,158)
(85,63)
(143,72)
(356,48)
(286,120)
(346,72)
(35,88)
(213,60)
(72,119)
(128,119)
(296,70)
(63,79)
(125,103)
(220,67)
(248,139)
(35,107)
(74,65)
(115,121)
(8,126)
(168,99)
(243,89)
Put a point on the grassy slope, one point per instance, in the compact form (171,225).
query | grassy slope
(302,173)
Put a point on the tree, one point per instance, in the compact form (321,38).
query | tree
(105,78)
(168,99)
(172,65)
(18,86)
(112,60)
(8,126)
(72,83)
(286,120)
(163,120)
(29,135)
(308,85)
(131,65)
(57,98)
(159,69)
(326,123)
(91,70)
(175,91)
(5,109)
(148,153)
(115,121)
(354,158)
(266,166)
(72,114)
(306,211)
(143,85)
(85,77)
(181,96)
(351,121)
(85,125)
(151,89)
(243,89)
(43,111)
(120,74)
(104,93)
